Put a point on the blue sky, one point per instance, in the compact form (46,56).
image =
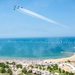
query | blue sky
(14,24)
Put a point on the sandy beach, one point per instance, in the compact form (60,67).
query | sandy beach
(72,58)
(27,62)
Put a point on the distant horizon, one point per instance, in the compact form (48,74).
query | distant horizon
(37,37)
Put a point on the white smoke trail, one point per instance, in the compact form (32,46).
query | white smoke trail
(28,12)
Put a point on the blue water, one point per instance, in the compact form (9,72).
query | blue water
(37,47)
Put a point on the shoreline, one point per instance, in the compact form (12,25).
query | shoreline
(36,58)
(71,58)
(56,60)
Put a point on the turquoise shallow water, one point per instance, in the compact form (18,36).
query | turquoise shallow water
(37,47)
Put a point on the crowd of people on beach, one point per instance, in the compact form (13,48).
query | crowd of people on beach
(35,67)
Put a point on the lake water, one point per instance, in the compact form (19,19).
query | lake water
(37,47)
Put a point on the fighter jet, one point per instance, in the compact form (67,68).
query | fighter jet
(14,7)
(17,7)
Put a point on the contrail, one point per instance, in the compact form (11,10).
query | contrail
(28,12)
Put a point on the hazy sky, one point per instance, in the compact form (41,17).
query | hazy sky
(16,24)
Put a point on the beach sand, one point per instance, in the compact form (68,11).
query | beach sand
(72,58)
(62,61)
(26,62)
